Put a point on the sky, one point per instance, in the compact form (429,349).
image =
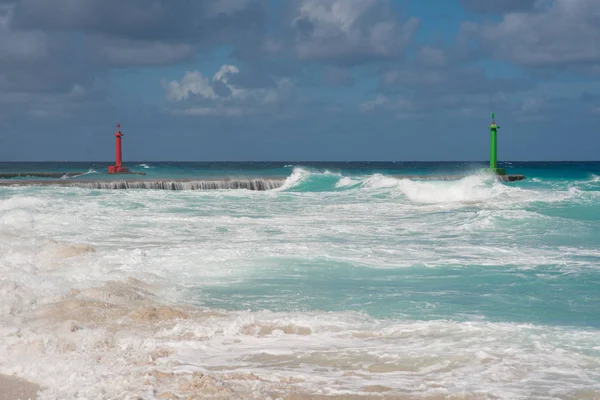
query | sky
(307,80)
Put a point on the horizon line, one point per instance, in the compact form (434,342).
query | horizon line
(294,161)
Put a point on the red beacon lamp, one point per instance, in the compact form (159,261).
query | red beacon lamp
(118,168)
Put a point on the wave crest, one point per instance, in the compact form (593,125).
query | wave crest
(420,189)
(475,188)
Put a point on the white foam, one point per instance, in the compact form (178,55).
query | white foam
(471,188)
(378,181)
(347,181)
(297,176)
(179,243)
(20,202)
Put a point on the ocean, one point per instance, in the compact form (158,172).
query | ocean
(342,281)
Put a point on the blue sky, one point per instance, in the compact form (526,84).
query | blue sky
(208,80)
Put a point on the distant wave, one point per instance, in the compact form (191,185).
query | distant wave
(426,189)
(69,176)
(423,189)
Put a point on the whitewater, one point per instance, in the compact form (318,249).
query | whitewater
(329,285)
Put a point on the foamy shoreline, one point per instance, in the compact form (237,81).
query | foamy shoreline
(14,388)
(372,288)
(129,346)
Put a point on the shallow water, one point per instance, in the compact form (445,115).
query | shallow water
(343,280)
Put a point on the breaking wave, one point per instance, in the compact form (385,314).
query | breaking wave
(419,188)
(432,189)
(71,175)
(425,189)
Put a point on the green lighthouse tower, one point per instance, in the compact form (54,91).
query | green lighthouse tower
(494,149)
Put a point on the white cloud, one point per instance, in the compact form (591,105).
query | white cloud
(561,32)
(191,83)
(196,94)
(349,29)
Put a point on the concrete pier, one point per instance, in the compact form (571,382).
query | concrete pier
(254,183)
(167,184)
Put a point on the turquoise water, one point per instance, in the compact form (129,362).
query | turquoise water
(344,277)
(545,296)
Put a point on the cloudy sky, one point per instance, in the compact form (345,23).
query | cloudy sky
(299,79)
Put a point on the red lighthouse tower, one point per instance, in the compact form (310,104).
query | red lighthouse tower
(118,168)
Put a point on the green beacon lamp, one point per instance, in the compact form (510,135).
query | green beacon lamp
(494,149)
